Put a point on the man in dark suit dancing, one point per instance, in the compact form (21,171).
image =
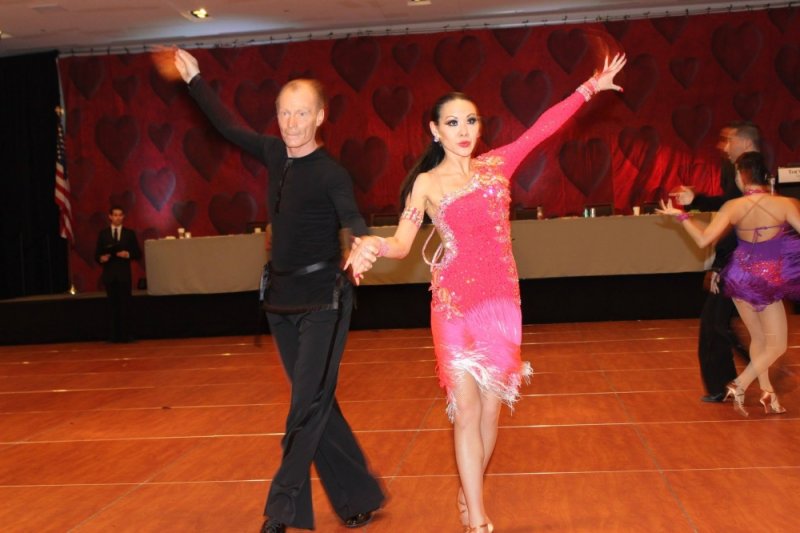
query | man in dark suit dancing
(116,247)
(717,340)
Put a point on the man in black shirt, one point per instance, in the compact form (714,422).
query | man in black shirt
(308,300)
(716,339)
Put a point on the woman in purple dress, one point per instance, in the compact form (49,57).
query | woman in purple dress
(764,270)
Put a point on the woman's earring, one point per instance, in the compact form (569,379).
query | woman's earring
(436,138)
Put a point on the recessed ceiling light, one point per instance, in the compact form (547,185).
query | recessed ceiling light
(200,13)
(419,2)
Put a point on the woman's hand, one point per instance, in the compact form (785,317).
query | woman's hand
(363,255)
(713,283)
(668,209)
(605,79)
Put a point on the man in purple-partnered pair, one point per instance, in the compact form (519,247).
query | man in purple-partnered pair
(716,339)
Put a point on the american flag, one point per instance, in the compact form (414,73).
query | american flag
(63,196)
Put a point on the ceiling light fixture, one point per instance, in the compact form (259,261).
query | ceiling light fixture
(419,2)
(200,13)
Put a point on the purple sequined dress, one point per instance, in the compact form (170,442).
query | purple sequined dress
(763,272)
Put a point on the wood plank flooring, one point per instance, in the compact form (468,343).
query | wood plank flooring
(183,436)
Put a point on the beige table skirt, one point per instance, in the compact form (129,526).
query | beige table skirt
(564,247)
(570,247)
(205,265)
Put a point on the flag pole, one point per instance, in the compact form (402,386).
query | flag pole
(63,197)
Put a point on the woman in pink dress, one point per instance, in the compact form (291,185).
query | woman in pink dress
(475,310)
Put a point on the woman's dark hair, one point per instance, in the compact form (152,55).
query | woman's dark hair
(753,164)
(433,154)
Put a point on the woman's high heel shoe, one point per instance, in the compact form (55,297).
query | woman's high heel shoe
(737,394)
(488,527)
(774,407)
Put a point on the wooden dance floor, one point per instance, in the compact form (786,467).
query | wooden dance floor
(184,435)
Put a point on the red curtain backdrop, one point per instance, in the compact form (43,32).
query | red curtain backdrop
(138,140)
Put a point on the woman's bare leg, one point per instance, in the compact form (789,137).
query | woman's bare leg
(469,446)
(490,414)
(768,332)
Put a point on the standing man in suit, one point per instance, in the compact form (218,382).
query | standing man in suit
(308,301)
(116,247)
(716,340)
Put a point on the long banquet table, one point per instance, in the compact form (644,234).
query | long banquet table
(563,247)
(205,265)
(572,247)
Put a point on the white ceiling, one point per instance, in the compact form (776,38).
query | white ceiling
(85,26)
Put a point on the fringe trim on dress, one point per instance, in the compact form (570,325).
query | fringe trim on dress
(490,379)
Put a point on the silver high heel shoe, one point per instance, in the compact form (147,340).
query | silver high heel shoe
(774,407)
(737,394)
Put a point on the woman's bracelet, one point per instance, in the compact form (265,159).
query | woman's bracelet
(413,214)
(680,217)
(383,249)
(588,88)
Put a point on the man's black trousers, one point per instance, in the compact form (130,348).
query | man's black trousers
(311,346)
(716,342)
(119,300)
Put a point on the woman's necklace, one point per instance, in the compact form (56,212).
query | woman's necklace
(748,192)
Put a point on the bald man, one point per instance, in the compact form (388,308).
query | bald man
(308,300)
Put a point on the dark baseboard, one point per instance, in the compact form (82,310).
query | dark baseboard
(65,318)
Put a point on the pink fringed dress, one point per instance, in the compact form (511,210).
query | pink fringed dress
(475,310)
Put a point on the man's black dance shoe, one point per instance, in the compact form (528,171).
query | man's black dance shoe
(713,398)
(359,520)
(272,526)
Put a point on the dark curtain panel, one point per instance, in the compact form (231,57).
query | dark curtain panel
(33,258)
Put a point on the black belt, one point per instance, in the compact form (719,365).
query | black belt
(308,269)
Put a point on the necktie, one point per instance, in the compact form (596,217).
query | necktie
(116,234)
